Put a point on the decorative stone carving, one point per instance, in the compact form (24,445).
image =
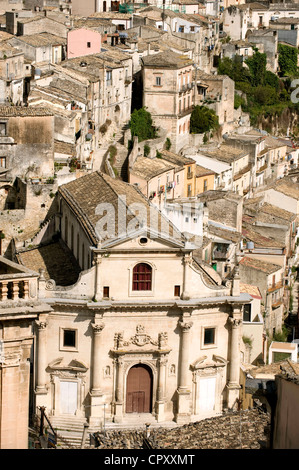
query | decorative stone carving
(162,340)
(41,325)
(185,326)
(235,322)
(139,339)
(98,327)
(50,284)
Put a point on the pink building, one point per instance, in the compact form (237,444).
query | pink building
(82,42)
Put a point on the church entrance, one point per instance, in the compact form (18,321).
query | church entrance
(139,389)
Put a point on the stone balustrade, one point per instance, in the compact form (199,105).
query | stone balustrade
(14,289)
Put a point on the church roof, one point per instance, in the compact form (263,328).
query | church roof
(90,196)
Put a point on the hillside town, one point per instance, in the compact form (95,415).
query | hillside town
(149,224)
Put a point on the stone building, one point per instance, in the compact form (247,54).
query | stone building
(269,278)
(144,331)
(11,74)
(168,93)
(20,308)
(27,141)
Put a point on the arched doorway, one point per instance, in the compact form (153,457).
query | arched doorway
(139,389)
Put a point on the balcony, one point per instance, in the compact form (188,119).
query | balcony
(184,112)
(16,281)
(190,175)
(220,255)
(274,287)
(14,290)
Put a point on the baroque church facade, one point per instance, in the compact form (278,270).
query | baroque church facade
(146,329)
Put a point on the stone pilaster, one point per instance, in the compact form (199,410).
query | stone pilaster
(160,403)
(96,394)
(41,379)
(183,391)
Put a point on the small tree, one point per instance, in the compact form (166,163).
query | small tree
(141,125)
(168,143)
(146,150)
(203,120)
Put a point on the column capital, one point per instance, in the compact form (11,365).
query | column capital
(234,322)
(185,325)
(41,325)
(98,327)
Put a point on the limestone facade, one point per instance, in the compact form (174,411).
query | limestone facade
(144,330)
(19,309)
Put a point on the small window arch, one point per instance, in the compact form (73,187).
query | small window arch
(142,277)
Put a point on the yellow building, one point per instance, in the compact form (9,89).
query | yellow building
(204,180)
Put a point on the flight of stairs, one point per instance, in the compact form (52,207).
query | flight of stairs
(70,430)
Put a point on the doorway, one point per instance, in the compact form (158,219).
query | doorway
(68,397)
(139,389)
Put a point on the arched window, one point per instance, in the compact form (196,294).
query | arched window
(142,277)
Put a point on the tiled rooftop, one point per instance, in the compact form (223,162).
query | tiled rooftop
(57,261)
(226,153)
(251,290)
(42,39)
(259,265)
(148,168)
(23,111)
(178,160)
(85,193)
(167,59)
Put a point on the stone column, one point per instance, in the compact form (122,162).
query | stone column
(160,403)
(186,261)
(119,395)
(41,356)
(96,394)
(98,294)
(233,385)
(183,391)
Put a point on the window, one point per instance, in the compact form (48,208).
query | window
(178,179)
(209,336)
(106,292)
(2,162)
(69,338)
(189,190)
(2,128)
(142,277)
(88,44)
(158,81)
(205,185)
(177,291)
(247,312)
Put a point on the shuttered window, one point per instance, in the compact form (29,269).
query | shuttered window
(142,277)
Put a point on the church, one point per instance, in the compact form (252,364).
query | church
(146,329)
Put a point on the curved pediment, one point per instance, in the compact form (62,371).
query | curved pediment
(74,365)
(203,362)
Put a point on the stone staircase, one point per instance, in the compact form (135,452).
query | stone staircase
(120,162)
(70,430)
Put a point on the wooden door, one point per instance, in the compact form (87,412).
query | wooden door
(139,390)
